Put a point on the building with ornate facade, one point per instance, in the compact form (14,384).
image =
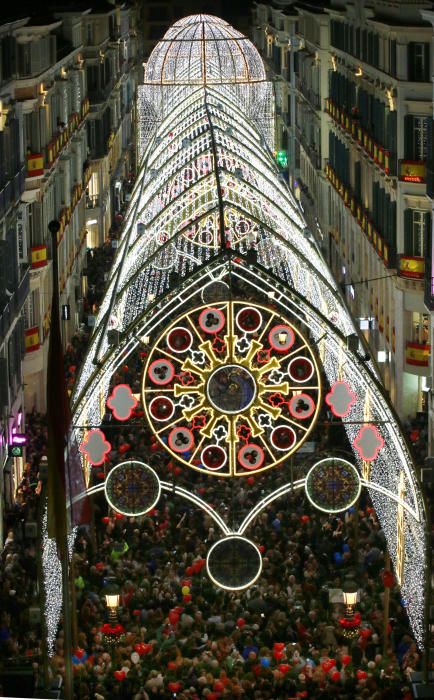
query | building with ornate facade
(67,87)
(354,95)
(14,262)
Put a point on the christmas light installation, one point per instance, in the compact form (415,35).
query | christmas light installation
(231,389)
(203,50)
(208,195)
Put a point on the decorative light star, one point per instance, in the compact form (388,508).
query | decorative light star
(242,345)
(186,401)
(275,377)
(219,345)
(263,356)
(244,432)
(186,378)
(198,422)
(198,357)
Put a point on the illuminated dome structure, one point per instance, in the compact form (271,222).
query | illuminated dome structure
(220,295)
(207,51)
(204,50)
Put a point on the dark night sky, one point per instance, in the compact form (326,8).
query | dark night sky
(237,12)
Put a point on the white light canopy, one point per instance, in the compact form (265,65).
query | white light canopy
(210,208)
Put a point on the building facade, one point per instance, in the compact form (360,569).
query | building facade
(14,267)
(50,86)
(358,107)
(110,51)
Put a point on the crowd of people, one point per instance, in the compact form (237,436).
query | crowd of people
(176,634)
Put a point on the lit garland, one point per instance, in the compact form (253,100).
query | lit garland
(52,571)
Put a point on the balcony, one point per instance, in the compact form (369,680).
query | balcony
(55,146)
(412,267)
(66,213)
(429,287)
(417,354)
(37,163)
(412,171)
(12,189)
(14,305)
(309,149)
(380,155)
(310,95)
(362,217)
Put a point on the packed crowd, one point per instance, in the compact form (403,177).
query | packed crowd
(176,634)
(179,636)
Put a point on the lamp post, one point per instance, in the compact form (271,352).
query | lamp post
(111,593)
(350,622)
(350,592)
(112,632)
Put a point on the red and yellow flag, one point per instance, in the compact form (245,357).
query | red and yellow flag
(38,256)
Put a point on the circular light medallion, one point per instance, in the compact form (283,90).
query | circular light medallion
(249,319)
(211,320)
(281,338)
(231,389)
(161,408)
(251,456)
(234,563)
(181,440)
(300,369)
(161,372)
(224,403)
(333,485)
(213,457)
(179,339)
(132,488)
(283,437)
(301,406)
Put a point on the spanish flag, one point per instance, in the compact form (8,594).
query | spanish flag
(413,267)
(35,164)
(31,339)
(417,354)
(38,256)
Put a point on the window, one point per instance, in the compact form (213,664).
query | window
(89,34)
(417,224)
(418,61)
(31,310)
(415,137)
(269,46)
(417,233)
(392,57)
(420,328)
(24,64)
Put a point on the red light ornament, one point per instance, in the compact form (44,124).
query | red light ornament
(340,399)
(368,443)
(122,402)
(95,447)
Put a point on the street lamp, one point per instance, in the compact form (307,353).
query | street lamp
(111,593)
(350,623)
(350,591)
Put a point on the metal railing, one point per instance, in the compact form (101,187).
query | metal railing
(13,308)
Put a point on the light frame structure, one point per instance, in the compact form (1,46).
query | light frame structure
(209,206)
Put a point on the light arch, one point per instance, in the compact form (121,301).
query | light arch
(233,179)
